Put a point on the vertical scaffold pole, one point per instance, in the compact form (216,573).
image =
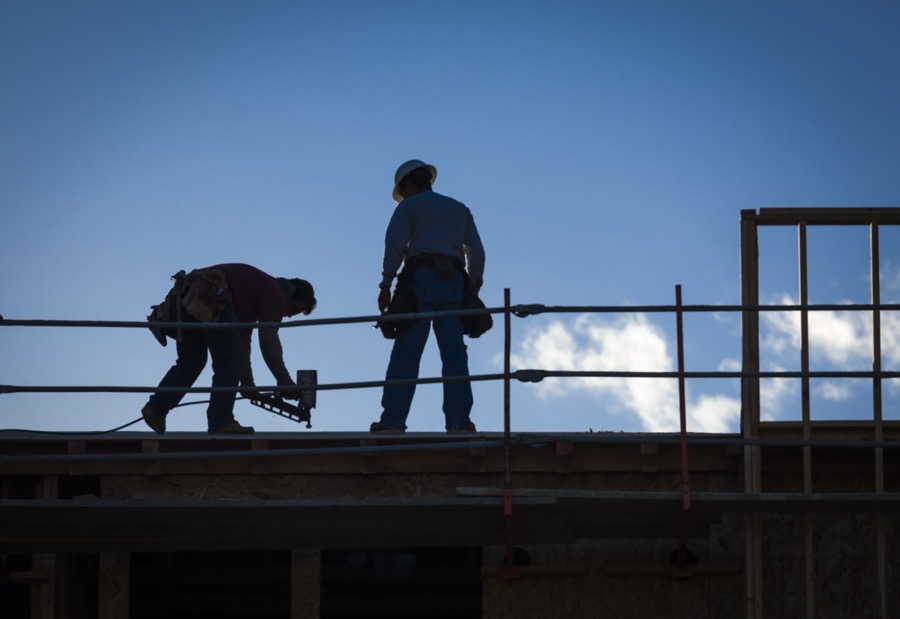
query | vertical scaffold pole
(509,570)
(683,562)
(880,537)
(808,525)
(750,405)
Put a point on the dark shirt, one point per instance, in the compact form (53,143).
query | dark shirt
(258,297)
(431,223)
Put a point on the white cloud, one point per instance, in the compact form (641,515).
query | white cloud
(840,338)
(730,365)
(890,281)
(893,385)
(783,334)
(715,413)
(843,337)
(631,344)
(833,391)
(772,392)
(890,339)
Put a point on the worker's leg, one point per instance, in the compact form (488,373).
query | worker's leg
(455,363)
(454,356)
(225,349)
(404,364)
(190,362)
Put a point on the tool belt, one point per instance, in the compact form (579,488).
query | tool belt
(207,294)
(202,293)
(445,267)
(403,301)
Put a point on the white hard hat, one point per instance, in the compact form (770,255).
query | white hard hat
(406,168)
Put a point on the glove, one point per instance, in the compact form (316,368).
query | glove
(248,394)
(289,394)
(384,299)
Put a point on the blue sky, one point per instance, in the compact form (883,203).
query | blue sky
(606,150)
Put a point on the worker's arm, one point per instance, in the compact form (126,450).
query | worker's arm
(246,368)
(270,346)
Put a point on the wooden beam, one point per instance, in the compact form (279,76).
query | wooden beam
(115,569)
(541,517)
(192,525)
(828,216)
(719,502)
(750,409)
(44,592)
(306,577)
(351,453)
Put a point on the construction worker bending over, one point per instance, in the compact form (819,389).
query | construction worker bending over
(435,239)
(224,293)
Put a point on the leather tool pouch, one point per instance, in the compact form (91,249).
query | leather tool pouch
(207,295)
(163,312)
(160,313)
(478,324)
(403,301)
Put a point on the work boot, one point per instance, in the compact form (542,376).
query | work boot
(153,419)
(232,427)
(378,428)
(468,428)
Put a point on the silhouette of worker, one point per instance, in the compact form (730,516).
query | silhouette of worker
(435,239)
(225,293)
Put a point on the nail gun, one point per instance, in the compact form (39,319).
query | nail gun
(272,401)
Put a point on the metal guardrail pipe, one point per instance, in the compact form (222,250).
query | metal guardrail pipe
(373,449)
(131,324)
(521,311)
(255,453)
(521,440)
(525,376)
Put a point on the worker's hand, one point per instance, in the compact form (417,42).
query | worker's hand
(384,299)
(289,392)
(248,394)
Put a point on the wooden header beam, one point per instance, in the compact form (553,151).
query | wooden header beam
(543,516)
(827,216)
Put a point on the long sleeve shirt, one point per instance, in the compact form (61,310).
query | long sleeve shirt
(430,223)
(258,297)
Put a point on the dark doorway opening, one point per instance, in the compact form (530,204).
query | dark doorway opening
(225,585)
(439,583)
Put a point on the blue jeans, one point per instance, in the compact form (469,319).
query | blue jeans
(432,294)
(224,346)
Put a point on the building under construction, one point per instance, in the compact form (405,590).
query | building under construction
(779,520)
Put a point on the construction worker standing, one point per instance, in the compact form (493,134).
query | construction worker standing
(435,239)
